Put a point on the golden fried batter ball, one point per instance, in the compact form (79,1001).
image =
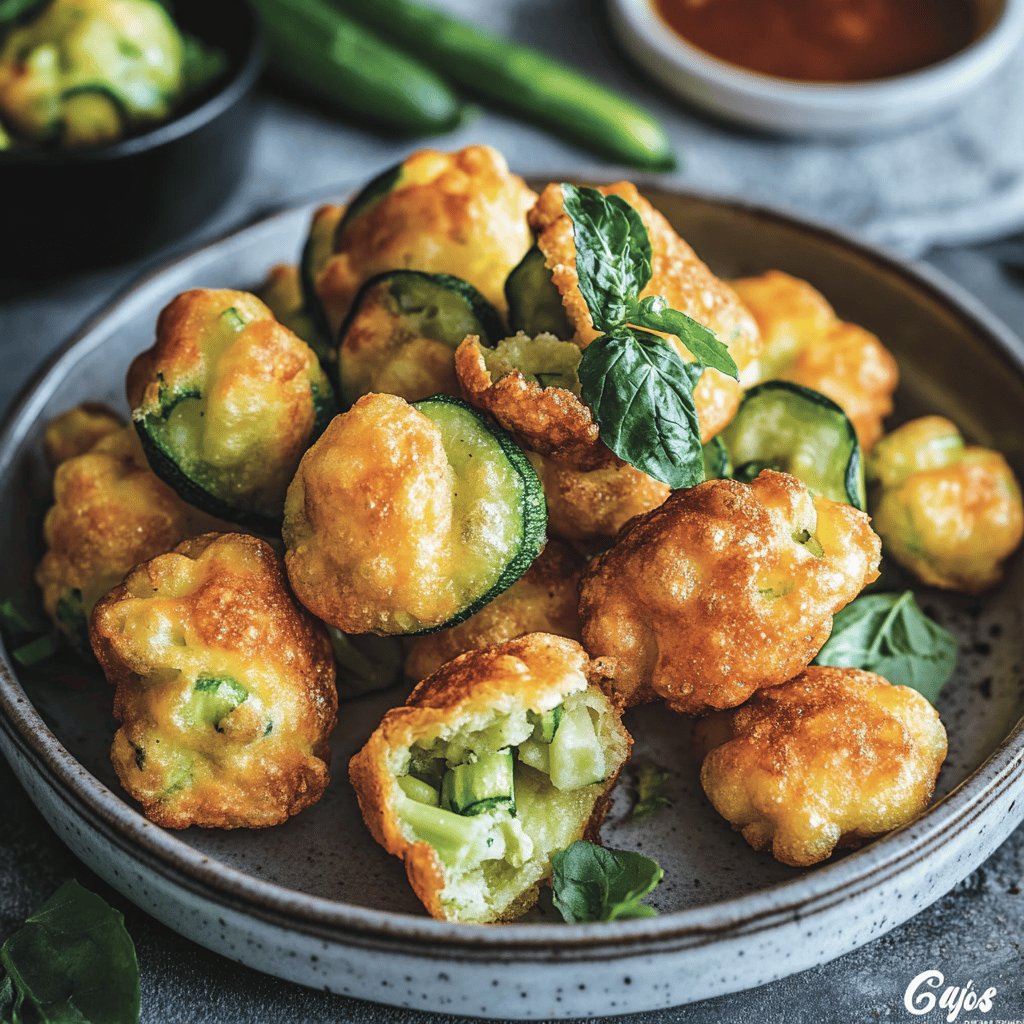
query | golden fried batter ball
(542,601)
(500,759)
(949,513)
(853,368)
(678,275)
(790,313)
(724,589)
(109,513)
(594,505)
(282,292)
(225,687)
(833,757)
(805,342)
(231,398)
(76,431)
(529,385)
(458,213)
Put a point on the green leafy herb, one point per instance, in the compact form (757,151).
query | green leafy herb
(641,394)
(592,883)
(28,639)
(890,635)
(72,962)
(649,420)
(650,791)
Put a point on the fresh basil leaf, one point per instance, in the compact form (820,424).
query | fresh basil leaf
(72,962)
(641,394)
(890,635)
(613,254)
(592,883)
(650,791)
(700,341)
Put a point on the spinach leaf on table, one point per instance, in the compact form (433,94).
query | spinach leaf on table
(72,962)
(592,883)
(891,635)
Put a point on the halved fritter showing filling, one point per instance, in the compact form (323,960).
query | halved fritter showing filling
(224,686)
(226,402)
(406,518)
(531,387)
(401,335)
(500,759)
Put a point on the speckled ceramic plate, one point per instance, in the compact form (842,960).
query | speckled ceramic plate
(318,902)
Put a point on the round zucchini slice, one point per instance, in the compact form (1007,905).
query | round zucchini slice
(316,254)
(795,430)
(534,303)
(216,419)
(500,503)
(401,335)
(367,198)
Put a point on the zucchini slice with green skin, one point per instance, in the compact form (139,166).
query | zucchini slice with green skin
(179,428)
(534,303)
(316,254)
(481,785)
(717,464)
(367,198)
(384,343)
(793,429)
(503,547)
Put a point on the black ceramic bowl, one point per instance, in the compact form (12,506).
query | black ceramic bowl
(74,209)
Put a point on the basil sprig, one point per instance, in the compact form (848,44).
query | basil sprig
(592,883)
(890,635)
(640,391)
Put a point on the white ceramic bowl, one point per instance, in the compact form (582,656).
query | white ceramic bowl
(809,108)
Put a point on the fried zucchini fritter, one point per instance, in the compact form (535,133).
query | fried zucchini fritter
(805,342)
(224,687)
(109,512)
(678,275)
(542,601)
(499,760)
(458,213)
(400,520)
(78,430)
(282,292)
(594,505)
(949,513)
(529,385)
(724,589)
(834,757)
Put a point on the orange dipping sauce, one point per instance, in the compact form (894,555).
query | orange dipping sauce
(824,40)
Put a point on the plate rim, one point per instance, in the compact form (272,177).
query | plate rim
(185,867)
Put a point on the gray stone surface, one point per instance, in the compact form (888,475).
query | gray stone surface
(962,172)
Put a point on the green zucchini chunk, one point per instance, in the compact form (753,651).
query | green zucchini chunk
(367,198)
(717,464)
(394,337)
(206,432)
(316,254)
(534,303)
(500,502)
(215,697)
(795,430)
(480,785)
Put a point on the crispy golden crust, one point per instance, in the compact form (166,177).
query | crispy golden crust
(806,343)
(536,672)
(385,563)
(542,601)
(458,213)
(790,313)
(712,596)
(595,505)
(258,385)
(109,513)
(217,608)
(78,430)
(678,275)
(853,368)
(954,526)
(548,420)
(833,757)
